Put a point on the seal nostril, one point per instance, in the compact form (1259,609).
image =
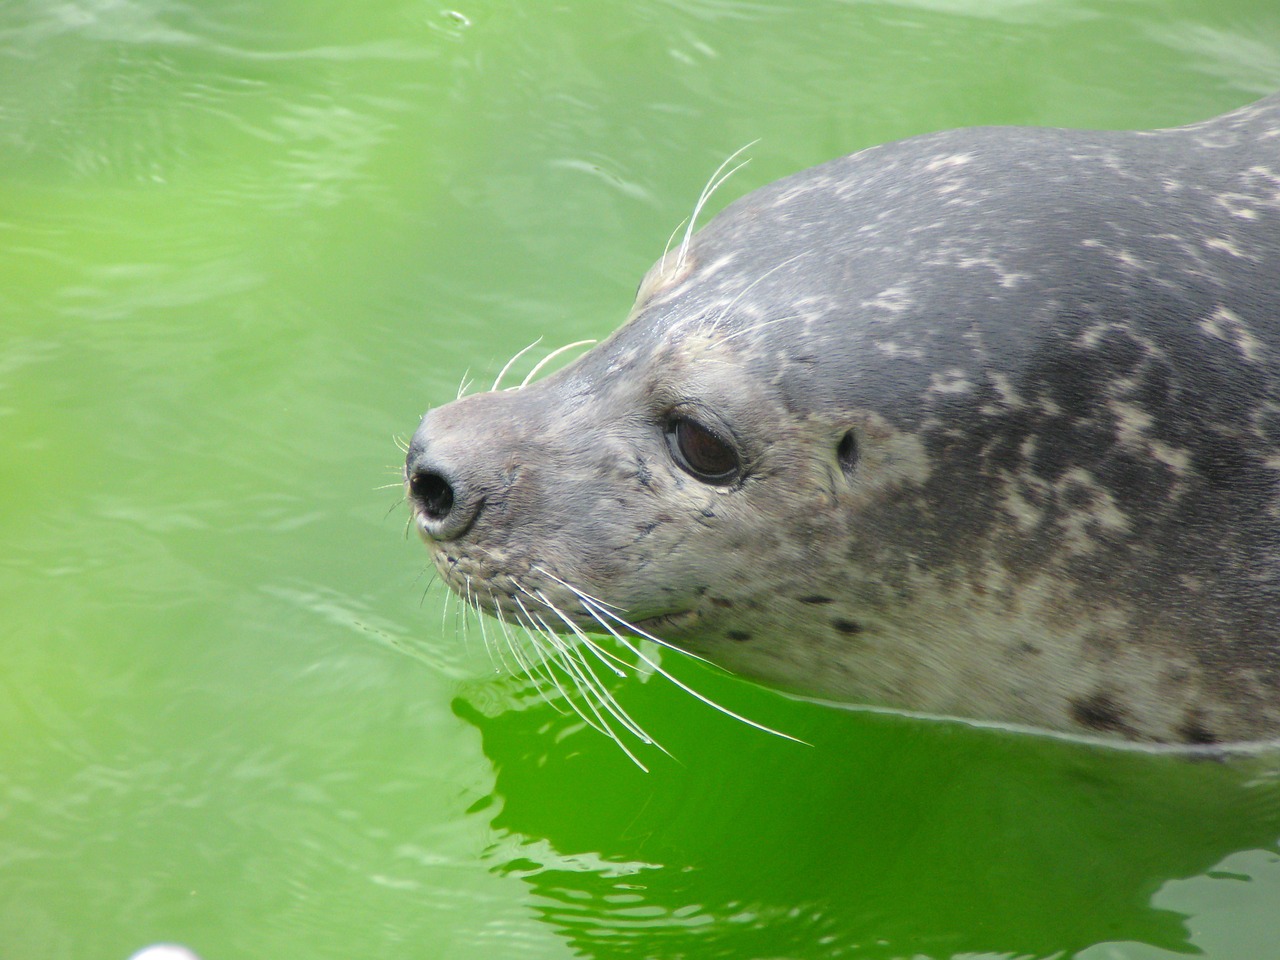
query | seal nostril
(847,452)
(433,492)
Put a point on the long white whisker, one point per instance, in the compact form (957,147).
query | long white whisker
(547,665)
(503,372)
(471,604)
(567,663)
(724,312)
(606,610)
(484,635)
(717,178)
(572,589)
(619,666)
(756,326)
(449,597)
(591,693)
(549,357)
(593,683)
(537,673)
(510,646)
(667,248)
(466,382)
(680,683)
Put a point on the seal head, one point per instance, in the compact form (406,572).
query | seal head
(984,423)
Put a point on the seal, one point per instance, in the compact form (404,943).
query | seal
(983,424)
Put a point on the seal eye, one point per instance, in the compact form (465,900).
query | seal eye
(702,452)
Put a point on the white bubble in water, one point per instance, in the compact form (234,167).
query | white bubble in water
(164,951)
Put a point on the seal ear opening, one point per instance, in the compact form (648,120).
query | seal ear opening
(847,453)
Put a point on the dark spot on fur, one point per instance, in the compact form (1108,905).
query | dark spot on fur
(643,474)
(816,598)
(1098,712)
(1193,730)
(847,626)
(721,602)
(738,635)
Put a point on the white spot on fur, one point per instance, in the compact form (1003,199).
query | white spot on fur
(891,299)
(949,160)
(1237,205)
(1224,324)
(953,380)
(898,351)
(1226,246)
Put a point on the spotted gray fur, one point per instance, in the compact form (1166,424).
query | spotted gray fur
(1059,355)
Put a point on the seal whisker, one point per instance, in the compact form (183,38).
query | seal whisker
(468,603)
(616,664)
(507,366)
(459,616)
(444,608)
(757,326)
(619,667)
(588,681)
(717,179)
(567,663)
(724,311)
(549,357)
(511,647)
(631,724)
(604,657)
(539,670)
(592,695)
(466,382)
(574,590)
(426,590)
(403,444)
(550,665)
(667,249)
(609,611)
(484,635)
(592,685)
(536,638)
(680,683)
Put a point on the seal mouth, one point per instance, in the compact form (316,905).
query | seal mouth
(678,621)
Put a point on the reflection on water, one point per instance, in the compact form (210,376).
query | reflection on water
(888,837)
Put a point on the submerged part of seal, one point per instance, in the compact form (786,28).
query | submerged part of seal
(983,423)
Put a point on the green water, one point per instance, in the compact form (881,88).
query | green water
(242,247)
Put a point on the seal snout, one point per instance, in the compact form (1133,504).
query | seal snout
(444,505)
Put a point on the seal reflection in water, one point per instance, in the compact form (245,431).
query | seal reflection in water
(983,423)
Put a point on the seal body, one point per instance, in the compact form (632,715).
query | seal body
(983,423)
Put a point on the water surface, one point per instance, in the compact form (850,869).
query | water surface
(242,248)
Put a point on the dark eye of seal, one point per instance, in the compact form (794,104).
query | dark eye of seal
(701,452)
